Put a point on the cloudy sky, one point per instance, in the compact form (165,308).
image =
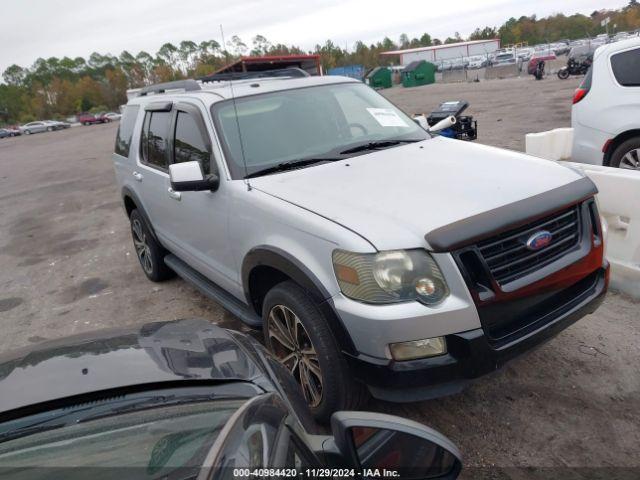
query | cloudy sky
(43,28)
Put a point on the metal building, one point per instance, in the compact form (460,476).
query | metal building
(437,53)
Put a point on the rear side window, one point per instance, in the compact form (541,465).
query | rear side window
(626,67)
(189,145)
(125,130)
(155,133)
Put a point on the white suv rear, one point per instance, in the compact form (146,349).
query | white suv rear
(606,108)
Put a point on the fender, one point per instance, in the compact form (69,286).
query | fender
(127,192)
(278,259)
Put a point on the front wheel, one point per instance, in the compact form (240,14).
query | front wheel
(563,74)
(627,155)
(27,132)
(297,333)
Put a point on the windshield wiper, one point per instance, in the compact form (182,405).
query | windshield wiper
(291,165)
(376,145)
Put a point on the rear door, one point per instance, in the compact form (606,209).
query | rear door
(151,172)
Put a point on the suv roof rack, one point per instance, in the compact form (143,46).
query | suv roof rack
(292,72)
(186,85)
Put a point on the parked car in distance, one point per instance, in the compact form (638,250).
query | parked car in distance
(186,399)
(331,237)
(9,132)
(35,127)
(113,116)
(91,119)
(57,125)
(507,58)
(605,115)
(476,62)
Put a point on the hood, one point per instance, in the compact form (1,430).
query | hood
(394,197)
(108,359)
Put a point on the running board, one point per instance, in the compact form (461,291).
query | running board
(213,291)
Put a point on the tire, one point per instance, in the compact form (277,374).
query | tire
(149,252)
(563,74)
(49,129)
(328,376)
(627,155)
(27,132)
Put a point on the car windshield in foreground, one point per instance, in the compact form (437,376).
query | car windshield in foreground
(151,443)
(276,130)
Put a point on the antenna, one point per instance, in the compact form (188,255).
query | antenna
(235,110)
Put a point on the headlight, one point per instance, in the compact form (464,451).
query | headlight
(390,277)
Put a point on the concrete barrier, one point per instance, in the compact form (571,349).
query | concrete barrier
(552,145)
(618,200)
(501,71)
(454,76)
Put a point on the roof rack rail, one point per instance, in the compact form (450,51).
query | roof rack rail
(186,85)
(292,72)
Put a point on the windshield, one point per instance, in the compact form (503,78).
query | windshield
(153,443)
(304,123)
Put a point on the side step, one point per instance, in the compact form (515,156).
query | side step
(213,291)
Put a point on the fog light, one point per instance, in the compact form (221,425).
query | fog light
(428,347)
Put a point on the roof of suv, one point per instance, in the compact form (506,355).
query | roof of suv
(216,92)
(617,46)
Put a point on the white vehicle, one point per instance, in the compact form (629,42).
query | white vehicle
(606,108)
(375,255)
(113,116)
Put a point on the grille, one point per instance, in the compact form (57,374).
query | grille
(508,257)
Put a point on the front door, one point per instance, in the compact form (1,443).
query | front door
(196,222)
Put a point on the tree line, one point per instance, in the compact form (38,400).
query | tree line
(59,87)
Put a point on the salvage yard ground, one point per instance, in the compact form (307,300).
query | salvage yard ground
(67,266)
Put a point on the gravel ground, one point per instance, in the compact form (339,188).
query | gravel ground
(67,266)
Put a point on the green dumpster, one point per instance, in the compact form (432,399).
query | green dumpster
(379,77)
(418,73)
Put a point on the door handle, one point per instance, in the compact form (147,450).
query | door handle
(137,176)
(173,194)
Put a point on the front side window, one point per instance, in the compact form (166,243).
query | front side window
(626,67)
(264,130)
(154,139)
(189,145)
(125,130)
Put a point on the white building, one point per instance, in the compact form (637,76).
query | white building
(437,53)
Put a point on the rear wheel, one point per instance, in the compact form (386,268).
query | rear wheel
(149,252)
(627,155)
(563,74)
(27,132)
(297,333)
(49,129)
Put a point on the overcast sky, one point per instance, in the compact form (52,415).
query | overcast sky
(43,28)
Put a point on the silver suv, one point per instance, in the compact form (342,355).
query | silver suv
(377,258)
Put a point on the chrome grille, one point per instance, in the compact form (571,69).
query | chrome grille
(508,257)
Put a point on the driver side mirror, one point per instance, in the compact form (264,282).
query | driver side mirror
(373,443)
(188,177)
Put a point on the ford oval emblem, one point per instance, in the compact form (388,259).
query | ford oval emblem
(539,240)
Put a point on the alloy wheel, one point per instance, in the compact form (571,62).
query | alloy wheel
(142,247)
(631,160)
(291,344)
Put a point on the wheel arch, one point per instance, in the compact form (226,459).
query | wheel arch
(616,142)
(266,266)
(131,201)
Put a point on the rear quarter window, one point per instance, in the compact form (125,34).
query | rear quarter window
(125,130)
(626,67)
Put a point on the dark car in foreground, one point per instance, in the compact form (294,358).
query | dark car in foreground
(187,399)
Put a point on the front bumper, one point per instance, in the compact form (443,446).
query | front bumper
(470,355)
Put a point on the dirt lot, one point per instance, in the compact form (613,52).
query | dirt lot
(67,266)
